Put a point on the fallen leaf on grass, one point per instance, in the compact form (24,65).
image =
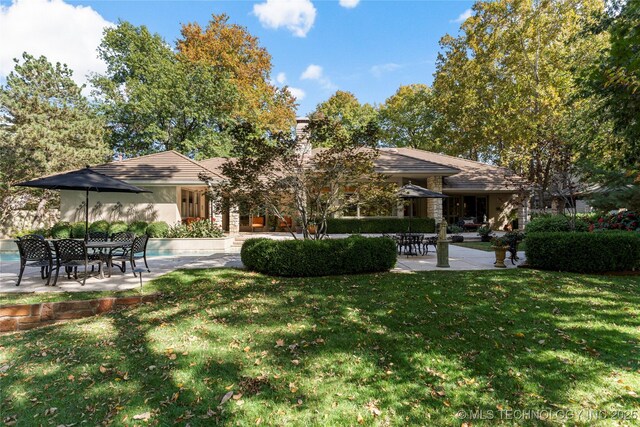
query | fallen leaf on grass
(279,343)
(144,416)
(226,397)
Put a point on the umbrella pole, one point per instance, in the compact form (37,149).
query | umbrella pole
(410,213)
(86,217)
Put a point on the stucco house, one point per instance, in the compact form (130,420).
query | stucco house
(478,192)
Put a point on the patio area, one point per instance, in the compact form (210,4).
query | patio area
(460,259)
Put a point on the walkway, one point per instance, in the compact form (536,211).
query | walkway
(460,258)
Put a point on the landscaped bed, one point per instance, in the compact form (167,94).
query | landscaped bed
(372,349)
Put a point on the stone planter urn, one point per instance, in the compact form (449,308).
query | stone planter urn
(501,253)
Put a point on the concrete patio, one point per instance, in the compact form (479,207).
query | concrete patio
(460,258)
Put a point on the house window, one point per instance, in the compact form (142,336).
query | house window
(192,204)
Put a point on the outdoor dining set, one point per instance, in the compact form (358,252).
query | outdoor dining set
(98,249)
(413,243)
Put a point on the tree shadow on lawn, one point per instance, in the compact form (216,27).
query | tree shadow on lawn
(417,347)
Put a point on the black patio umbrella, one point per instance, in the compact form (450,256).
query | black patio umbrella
(84,180)
(412,191)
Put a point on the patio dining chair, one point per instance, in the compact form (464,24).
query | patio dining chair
(138,251)
(73,254)
(35,252)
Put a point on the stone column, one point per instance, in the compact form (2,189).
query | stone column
(400,206)
(434,206)
(234,220)
(523,213)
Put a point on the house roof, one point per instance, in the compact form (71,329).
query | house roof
(460,175)
(472,175)
(393,162)
(168,167)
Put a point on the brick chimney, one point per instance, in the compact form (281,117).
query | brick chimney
(304,146)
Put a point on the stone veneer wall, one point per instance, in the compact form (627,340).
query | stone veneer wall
(434,206)
(28,316)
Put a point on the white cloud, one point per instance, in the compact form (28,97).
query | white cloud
(296,16)
(281,78)
(463,16)
(313,72)
(380,69)
(60,31)
(297,93)
(349,4)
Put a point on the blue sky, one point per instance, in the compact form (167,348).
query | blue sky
(366,47)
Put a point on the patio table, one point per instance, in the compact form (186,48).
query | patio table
(110,246)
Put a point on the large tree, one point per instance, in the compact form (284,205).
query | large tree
(154,101)
(407,118)
(230,48)
(343,117)
(505,88)
(613,85)
(46,126)
(286,177)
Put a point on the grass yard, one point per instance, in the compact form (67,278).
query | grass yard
(227,347)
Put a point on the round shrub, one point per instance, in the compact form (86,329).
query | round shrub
(61,230)
(78,230)
(101,226)
(118,227)
(555,223)
(138,227)
(584,252)
(157,229)
(305,258)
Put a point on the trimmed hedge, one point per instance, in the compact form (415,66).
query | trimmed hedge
(583,252)
(118,227)
(78,230)
(101,226)
(555,223)
(380,225)
(157,229)
(138,227)
(306,258)
(61,230)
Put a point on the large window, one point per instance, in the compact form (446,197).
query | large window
(192,204)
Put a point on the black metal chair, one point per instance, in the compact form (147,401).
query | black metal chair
(73,254)
(120,253)
(429,240)
(137,251)
(35,252)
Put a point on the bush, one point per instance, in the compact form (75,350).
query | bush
(118,227)
(44,232)
(305,258)
(101,226)
(380,225)
(78,230)
(61,230)
(157,229)
(138,227)
(583,252)
(203,228)
(555,223)
(626,221)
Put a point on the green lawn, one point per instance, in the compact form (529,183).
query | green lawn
(380,349)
